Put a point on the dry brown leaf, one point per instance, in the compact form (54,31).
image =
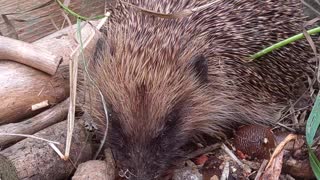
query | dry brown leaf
(273,170)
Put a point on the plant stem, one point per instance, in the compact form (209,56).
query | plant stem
(71,12)
(284,42)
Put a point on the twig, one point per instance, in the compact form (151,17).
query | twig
(235,159)
(226,171)
(286,127)
(310,7)
(29,54)
(34,124)
(203,151)
(261,169)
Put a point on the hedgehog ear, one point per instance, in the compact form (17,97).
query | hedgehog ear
(199,65)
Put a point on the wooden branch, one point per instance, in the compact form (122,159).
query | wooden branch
(22,87)
(29,54)
(30,126)
(64,42)
(33,159)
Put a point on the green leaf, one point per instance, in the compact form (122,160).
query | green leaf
(313,121)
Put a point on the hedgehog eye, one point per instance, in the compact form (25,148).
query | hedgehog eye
(173,116)
(199,65)
(171,121)
(99,52)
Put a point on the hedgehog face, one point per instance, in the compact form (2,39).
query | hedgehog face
(150,116)
(155,105)
(144,154)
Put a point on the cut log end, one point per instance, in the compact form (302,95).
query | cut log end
(34,159)
(7,169)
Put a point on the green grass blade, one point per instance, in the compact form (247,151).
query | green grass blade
(313,123)
(314,162)
(80,36)
(284,42)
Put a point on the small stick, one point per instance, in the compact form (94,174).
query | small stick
(225,172)
(73,71)
(203,150)
(235,159)
(261,169)
(40,105)
(29,55)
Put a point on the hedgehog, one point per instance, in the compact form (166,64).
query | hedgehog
(168,81)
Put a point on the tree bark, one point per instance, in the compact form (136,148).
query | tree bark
(35,160)
(22,86)
(92,170)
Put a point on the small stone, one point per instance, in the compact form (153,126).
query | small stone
(187,173)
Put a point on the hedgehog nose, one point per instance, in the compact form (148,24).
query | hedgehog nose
(140,178)
(137,176)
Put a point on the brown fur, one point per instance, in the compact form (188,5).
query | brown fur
(156,97)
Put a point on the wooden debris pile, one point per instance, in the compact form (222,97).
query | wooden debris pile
(34,88)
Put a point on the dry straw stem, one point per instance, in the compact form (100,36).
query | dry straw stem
(107,125)
(56,149)
(29,136)
(74,56)
(29,54)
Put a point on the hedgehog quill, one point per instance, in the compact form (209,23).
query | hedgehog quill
(167,81)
